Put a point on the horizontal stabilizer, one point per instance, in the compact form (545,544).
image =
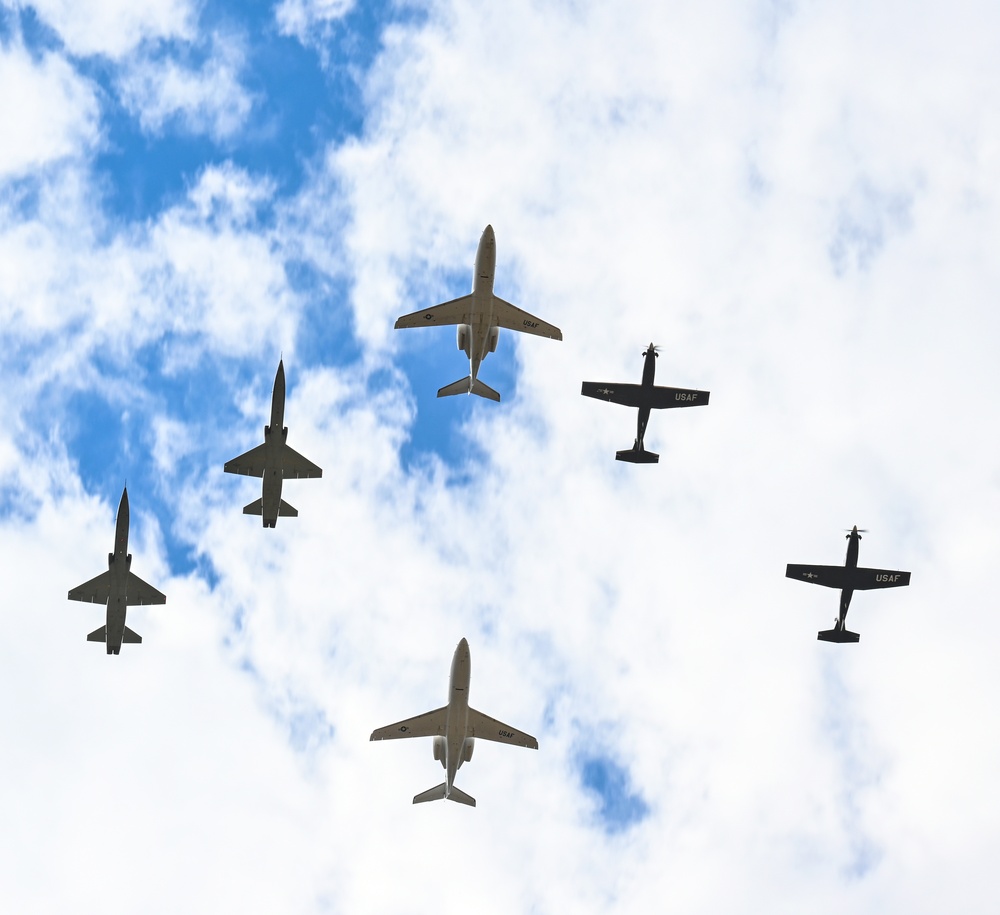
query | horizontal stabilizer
(469,385)
(838,635)
(286,511)
(254,508)
(433,794)
(98,635)
(131,638)
(638,456)
(460,797)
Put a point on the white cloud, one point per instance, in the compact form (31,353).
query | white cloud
(682,176)
(210,99)
(48,111)
(114,27)
(303,19)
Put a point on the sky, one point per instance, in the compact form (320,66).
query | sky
(797,201)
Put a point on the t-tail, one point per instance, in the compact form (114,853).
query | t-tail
(443,792)
(469,385)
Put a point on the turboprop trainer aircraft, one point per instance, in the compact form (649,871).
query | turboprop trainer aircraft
(274,461)
(454,729)
(118,588)
(646,397)
(479,317)
(848,578)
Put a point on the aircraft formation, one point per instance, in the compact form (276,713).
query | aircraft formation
(478,317)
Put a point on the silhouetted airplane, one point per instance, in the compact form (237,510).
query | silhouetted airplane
(646,397)
(848,578)
(274,461)
(118,588)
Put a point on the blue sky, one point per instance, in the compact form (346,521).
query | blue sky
(799,207)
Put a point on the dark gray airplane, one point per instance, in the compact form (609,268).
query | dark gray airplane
(646,397)
(274,461)
(118,588)
(848,578)
(479,317)
(454,729)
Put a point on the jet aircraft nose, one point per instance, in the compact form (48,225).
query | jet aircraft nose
(464,645)
(488,234)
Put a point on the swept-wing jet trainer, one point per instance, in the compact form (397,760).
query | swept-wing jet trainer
(274,461)
(454,729)
(848,578)
(479,317)
(118,588)
(646,397)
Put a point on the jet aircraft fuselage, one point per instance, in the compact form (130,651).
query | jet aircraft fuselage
(273,461)
(119,588)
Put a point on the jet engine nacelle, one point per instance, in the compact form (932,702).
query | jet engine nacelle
(494,338)
(467,748)
(463,336)
(439,748)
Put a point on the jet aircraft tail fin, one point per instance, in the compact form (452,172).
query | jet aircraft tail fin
(637,455)
(441,792)
(469,385)
(838,635)
(131,638)
(286,511)
(254,508)
(98,635)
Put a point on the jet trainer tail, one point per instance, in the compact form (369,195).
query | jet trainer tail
(438,793)
(469,385)
(838,635)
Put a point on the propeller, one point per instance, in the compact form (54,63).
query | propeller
(655,349)
(861,530)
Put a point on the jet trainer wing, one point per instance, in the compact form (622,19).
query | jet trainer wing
(248,464)
(295,467)
(869,579)
(141,593)
(514,318)
(427,725)
(95,591)
(487,728)
(456,311)
(827,576)
(662,398)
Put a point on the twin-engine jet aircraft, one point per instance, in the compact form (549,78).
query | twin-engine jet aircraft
(646,397)
(274,461)
(479,317)
(118,588)
(454,729)
(848,578)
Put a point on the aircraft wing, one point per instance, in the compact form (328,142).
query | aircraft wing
(427,725)
(868,579)
(662,398)
(827,576)
(513,318)
(95,591)
(486,728)
(296,467)
(249,464)
(456,311)
(141,593)
(625,394)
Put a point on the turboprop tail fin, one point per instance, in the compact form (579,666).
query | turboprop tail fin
(469,385)
(838,635)
(637,455)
